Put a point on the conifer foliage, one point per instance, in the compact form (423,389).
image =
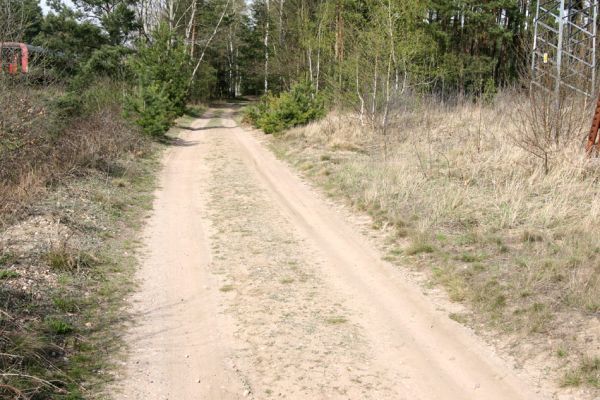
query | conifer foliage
(161,67)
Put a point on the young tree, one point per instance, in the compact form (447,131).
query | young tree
(161,67)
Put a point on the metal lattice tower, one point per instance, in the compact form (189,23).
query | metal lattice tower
(564,47)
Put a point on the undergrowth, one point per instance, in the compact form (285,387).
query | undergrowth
(47,134)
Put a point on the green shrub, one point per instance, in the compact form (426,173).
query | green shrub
(162,71)
(108,61)
(489,91)
(299,106)
(153,109)
(66,106)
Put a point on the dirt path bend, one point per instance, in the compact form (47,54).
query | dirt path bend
(252,287)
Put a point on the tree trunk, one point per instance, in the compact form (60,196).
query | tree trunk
(360,97)
(310,66)
(231,61)
(374,104)
(266,43)
(193,46)
(318,54)
(339,33)
(238,78)
(393,46)
(281,3)
(190,31)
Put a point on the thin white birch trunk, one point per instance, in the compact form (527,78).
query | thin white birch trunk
(190,29)
(373,105)
(266,43)
(208,42)
(360,97)
(318,55)
(310,67)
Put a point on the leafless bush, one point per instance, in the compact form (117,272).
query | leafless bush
(546,117)
(545,124)
(15,19)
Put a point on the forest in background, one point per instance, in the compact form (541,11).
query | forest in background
(345,46)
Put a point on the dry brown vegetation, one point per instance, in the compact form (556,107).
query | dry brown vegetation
(465,197)
(44,138)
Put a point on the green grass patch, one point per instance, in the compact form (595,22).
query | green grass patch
(587,372)
(64,259)
(195,110)
(336,320)
(419,247)
(396,251)
(470,258)
(66,304)
(561,352)
(58,326)
(7,258)
(227,288)
(6,274)
(458,317)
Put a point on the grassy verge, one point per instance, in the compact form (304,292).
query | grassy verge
(460,202)
(66,272)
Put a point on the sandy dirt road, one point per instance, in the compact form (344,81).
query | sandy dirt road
(253,287)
